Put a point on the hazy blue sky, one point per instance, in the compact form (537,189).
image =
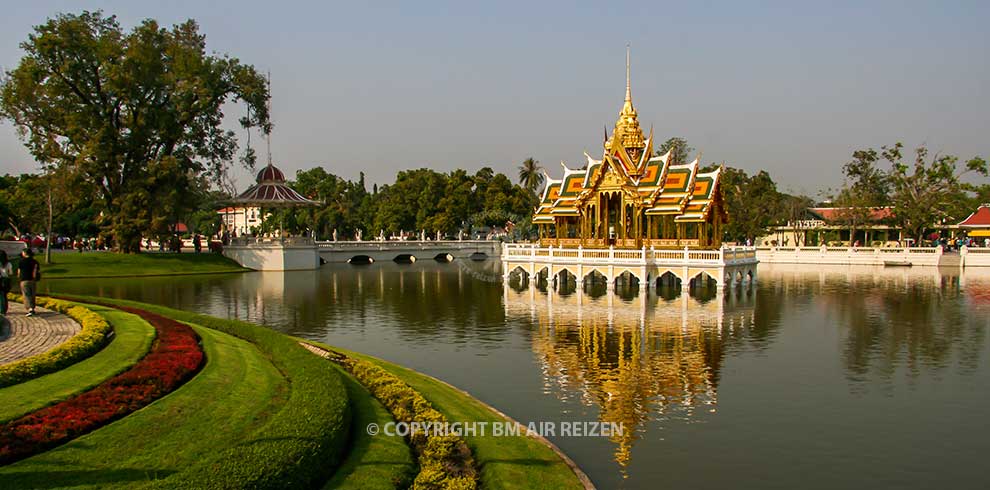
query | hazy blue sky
(789,88)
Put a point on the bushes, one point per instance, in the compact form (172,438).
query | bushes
(301,444)
(175,358)
(445,461)
(91,338)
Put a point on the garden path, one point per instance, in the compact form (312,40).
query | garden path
(22,336)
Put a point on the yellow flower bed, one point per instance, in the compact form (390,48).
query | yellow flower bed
(91,338)
(445,461)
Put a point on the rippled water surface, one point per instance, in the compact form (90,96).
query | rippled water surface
(814,378)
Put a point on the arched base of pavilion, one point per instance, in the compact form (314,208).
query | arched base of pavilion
(720,268)
(274,254)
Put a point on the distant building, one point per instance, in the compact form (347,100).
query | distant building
(837,225)
(239,221)
(977,225)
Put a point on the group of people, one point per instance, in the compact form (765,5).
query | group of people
(28,273)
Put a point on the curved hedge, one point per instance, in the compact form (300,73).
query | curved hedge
(301,445)
(91,338)
(445,461)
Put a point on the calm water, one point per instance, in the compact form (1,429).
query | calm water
(815,378)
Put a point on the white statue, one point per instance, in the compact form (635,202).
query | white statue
(422,235)
(438,235)
(359,232)
(335,234)
(460,235)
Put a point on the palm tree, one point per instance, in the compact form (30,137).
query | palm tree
(530,174)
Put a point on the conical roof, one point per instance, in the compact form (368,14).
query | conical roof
(272,191)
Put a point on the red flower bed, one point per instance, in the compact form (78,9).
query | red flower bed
(173,359)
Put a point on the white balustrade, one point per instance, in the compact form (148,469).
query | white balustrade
(517,252)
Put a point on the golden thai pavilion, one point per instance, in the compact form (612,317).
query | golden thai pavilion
(632,198)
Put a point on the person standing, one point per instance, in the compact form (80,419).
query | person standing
(29,271)
(6,273)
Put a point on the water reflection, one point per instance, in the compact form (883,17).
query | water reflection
(636,360)
(815,372)
(919,320)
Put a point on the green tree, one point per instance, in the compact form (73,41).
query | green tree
(531,174)
(136,114)
(866,187)
(754,203)
(681,150)
(924,191)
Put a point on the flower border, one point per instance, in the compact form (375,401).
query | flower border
(175,357)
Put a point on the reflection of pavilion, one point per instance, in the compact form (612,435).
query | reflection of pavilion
(634,361)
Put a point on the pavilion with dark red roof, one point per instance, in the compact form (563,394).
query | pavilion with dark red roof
(272,253)
(271,191)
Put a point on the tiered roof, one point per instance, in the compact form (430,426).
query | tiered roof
(628,166)
(272,191)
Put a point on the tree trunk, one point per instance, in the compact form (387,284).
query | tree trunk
(48,237)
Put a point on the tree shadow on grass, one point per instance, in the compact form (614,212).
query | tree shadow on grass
(390,464)
(54,478)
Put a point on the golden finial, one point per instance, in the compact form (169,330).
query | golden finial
(628,85)
(627,126)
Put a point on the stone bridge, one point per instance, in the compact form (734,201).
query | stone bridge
(408,251)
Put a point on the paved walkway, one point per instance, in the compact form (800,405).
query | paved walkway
(22,336)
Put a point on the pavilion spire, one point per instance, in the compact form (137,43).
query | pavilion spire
(627,126)
(268,135)
(628,84)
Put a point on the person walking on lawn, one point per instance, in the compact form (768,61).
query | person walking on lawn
(29,271)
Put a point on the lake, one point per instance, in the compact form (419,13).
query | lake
(815,377)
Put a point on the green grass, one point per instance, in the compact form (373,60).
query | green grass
(225,405)
(377,462)
(109,264)
(300,446)
(131,341)
(506,462)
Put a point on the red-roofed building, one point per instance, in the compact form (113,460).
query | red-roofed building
(835,226)
(839,215)
(978,223)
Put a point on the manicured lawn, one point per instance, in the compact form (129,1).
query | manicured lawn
(108,264)
(132,338)
(225,405)
(506,462)
(301,444)
(377,462)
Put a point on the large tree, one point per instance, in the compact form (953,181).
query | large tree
(137,114)
(925,191)
(754,203)
(866,187)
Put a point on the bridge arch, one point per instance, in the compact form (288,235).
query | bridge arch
(519,271)
(404,259)
(702,278)
(668,277)
(594,276)
(628,277)
(361,260)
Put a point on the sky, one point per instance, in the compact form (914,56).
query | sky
(788,87)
